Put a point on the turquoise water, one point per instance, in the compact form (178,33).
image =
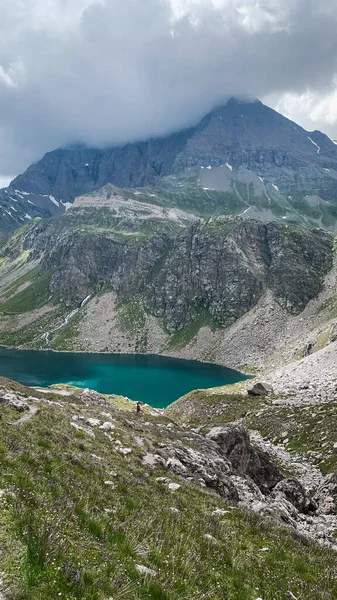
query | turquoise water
(155,380)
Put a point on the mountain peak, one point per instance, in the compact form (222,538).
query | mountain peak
(243,133)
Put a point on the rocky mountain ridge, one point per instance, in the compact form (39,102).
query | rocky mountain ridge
(159,276)
(247,157)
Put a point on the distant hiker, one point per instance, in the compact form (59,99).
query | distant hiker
(138,408)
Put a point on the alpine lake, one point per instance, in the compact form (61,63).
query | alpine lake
(154,380)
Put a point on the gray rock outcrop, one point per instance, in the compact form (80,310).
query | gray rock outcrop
(214,270)
(260,389)
(235,443)
(326,495)
(296,494)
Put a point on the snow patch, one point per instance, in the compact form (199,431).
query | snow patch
(209,167)
(275,187)
(314,143)
(260,178)
(327,170)
(30,202)
(86,165)
(137,193)
(229,167)
(244,212)
(28,217)
(85,300)
(284,217)
(12,208)
(66,205)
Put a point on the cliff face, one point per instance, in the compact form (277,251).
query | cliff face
(220,265)
(159,279)
(246,150)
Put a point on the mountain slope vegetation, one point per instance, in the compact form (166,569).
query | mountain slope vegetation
(88,512)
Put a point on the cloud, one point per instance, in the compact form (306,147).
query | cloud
(113,71)
(313,109)
(5,181)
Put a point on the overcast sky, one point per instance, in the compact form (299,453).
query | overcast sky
(113,71)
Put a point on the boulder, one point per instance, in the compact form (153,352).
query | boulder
(326,496)
(146,571)
(280,509)
(220,512)
(13,401)
(18,404)
(173,487)
(92,397)
(107,426)
(175,465)
(295,493)
(308,349)
(125,451)
(260,389)
(93,422)
(235,443)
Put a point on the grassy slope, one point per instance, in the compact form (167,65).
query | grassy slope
(310,429)
(185,193)
(65,534)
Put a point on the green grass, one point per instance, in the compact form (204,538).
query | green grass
(66,338)
(221,405)
(33,297)
(185,194)
(12,288)
(184,336)
(30,335)
(65,534)
(310,430)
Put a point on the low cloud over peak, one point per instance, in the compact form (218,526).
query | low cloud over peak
(113,71)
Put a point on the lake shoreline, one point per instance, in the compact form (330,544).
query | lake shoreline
(104,353)
(150,378)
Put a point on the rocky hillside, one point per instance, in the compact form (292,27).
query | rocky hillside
(295,424)
(243,157)
(131,276)
(100,503)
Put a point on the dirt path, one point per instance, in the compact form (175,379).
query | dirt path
(31,413)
